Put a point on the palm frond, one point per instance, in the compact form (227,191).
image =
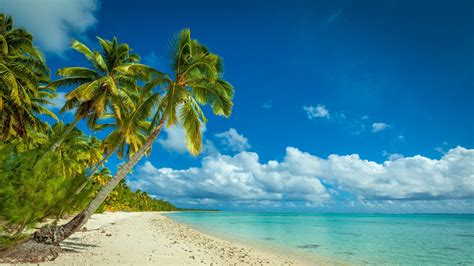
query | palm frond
(77,72)
(70,81)
(144,72)
(192,127)
(83,49)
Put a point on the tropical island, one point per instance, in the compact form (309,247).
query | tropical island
(52,171)
(54,178)
(337,133)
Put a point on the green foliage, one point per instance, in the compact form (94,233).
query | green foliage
(109,82)
(23,74)
(36,184)
(130,133)
(47,172)
(123,199)
(198,81)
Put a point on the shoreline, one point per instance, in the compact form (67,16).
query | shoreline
(146,238)
(301,257)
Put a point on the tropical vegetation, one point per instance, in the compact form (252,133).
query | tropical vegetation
(49,169)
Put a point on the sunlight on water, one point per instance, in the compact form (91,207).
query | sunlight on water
(356,238)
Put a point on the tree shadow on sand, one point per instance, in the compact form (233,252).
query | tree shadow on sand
(74,246)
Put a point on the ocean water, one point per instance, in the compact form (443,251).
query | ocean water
(408,239)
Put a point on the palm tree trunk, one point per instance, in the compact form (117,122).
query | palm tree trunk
(64,135)
(57,234)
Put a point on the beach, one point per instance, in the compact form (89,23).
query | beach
(145,238)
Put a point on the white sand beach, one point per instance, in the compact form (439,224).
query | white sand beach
(146,238)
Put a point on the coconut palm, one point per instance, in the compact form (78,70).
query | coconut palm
(22,73)
(129,133)
(102,86)
(197,81)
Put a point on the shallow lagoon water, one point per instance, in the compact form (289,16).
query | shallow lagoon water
(357,238)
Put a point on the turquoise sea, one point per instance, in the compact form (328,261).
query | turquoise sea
(408,239)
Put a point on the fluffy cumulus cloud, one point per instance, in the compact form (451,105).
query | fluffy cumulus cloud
(301,176)
(377,127)
(52,22)
(319,111)
(408,178)
(174,141)
(231,178)
(233,140)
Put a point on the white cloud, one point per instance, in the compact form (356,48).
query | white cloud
(221,177)
(300,175)
(209,148)
(320,111)
(175,140)
(407,178)
(52,22)
(233,140)
(376,127)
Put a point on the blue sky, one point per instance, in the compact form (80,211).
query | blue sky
(381,81)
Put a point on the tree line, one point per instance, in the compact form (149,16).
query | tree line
(51,169)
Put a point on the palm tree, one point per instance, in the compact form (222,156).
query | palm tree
(197,80)
(22,73)
(102,86)
(129,133)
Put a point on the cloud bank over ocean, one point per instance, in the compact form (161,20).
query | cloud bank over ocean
(305,179)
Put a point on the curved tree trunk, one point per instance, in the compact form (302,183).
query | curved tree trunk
(55,235)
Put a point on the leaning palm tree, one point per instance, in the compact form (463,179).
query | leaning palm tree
(197,81)
(22,73)
(102,86)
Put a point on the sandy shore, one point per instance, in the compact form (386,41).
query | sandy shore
(151,238)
